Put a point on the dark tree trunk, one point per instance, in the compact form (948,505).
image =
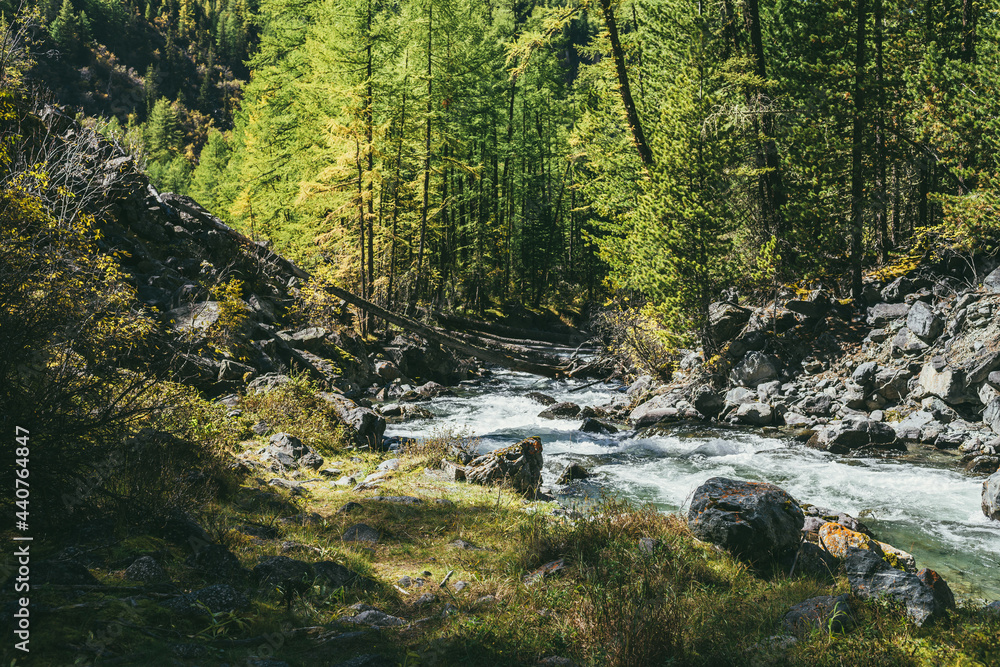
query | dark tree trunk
(631,114)
(427,158)
(857,153)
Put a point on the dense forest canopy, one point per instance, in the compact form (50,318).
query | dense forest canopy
(477,153)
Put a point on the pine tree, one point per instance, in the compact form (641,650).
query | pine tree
(65,28)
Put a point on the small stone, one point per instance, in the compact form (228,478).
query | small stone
(361,533)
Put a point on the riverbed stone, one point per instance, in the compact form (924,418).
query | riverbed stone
(539,397)
(851,434)
(591,425)
(991,496)
(754,520)
(755,414)
(564,410)
(571,472)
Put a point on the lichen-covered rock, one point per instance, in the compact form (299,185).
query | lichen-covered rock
(145,569)
(754,520)
(518,465)
(839,540)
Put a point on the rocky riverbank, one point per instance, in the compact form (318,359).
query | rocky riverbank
(919,367)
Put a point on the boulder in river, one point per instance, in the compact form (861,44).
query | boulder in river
(518,465)
(991,496)
(539,397)
(847,435)
(925,596)
(591,425)
(573,471)
(755,414)
(564,410)
(756,521)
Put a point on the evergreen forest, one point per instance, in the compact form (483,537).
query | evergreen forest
(479,153)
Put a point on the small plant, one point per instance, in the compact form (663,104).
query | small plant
(233,312)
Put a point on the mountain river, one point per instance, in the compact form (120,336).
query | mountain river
(916,502)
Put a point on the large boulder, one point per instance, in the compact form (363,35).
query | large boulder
(844,436)
(922,321)
(991,415)
(290,452)
(991,496)
(367,426)
(756,521)
(939,379)
(519,466)
(924,596)
(992,282)
(755,414)
(707,401)
(882,314)
(755,369)
(726,320)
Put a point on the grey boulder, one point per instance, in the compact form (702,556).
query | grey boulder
(755,521)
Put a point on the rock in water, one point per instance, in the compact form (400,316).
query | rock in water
(519,465)
(925,596)
(756,521)
(991,496)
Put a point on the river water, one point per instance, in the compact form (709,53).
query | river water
(916,503)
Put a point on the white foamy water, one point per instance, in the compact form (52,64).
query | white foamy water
(931,511)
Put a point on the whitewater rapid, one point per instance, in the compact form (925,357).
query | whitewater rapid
(916,503)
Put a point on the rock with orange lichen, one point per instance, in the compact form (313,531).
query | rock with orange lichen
(519,466)
(755,521)
(838,540)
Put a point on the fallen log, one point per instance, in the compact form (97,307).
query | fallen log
(511,361)
(501,330)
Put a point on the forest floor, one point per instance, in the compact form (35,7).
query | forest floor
(451,574)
